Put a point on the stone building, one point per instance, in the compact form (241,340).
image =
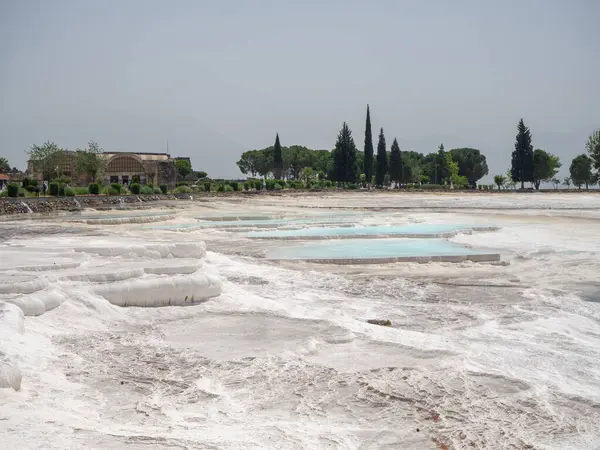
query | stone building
(155,168)
(121,167)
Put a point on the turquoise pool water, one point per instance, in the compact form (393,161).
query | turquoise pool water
(420,229)
(370,249)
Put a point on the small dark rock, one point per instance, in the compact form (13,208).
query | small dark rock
(382,322)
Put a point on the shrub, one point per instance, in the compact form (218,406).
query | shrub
(327,184)
(150,184)
(270,184)
(258,185)
(111,190)
(163,189)
(80,190)
(25,182)
(94,188)
(181,183)
(221,188)
(61,190)
(182,190)
(280,182)
(247,185)
(53,188)
(69,191)
(352,186)
(117,187)
(227,188)
(277,187)
(12,190)
(135,188)
(206,187)
(158,191)
(146,190)
(235,185)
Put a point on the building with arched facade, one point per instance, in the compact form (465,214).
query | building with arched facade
(121,167)
(155,168)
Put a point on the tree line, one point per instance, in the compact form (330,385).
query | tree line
(345,164)
(534,166)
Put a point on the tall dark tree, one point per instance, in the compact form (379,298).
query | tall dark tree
(277,158)
(368,153)
(396,167)
(345,162)
(382,161)
(522,158)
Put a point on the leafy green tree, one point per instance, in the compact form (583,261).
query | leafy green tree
(4,166)
(581,171)
(183,167)
(45,159)
(91,161)
(368,150)
(254,162)
(567,182)
(545,167)
(522,156)
(277,159)
(345,163)
(471,164)
(499,180)
(593,148)
(382,161)
(308,175)
(396,172)
(510,183)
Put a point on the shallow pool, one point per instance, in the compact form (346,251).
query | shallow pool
(379,250)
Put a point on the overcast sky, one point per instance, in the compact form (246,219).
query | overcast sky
(215,78)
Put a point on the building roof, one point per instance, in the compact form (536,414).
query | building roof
(144,156)
(4,177)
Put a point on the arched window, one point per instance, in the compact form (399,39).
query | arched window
(124,164)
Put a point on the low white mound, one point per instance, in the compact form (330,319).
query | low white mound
(10,373)
(153,292)
(104,276)
(37,303)
(11,323)
(12,319)
(19,284)
(173,250)
(171,266)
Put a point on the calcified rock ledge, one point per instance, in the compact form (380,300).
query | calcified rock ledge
(136,275)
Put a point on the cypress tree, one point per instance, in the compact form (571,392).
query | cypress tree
(522,157)
(368,150)
(345,162)
(382,161)
(396,172)
(277,159)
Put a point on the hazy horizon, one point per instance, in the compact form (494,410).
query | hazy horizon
(216,79)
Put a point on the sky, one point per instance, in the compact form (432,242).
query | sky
(216,78)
